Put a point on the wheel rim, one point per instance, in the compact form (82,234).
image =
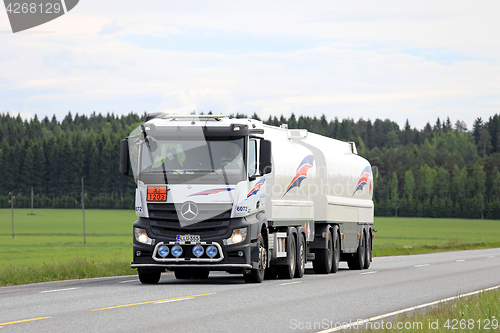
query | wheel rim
(368,249)
(362,251)
(330,250)
(302,257)
(337,252)
(292,257)
(262,259)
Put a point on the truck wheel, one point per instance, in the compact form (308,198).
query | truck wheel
(368,252)
(301,257)
(149,277)
(323,262)
(200,273)
(336,250)
(358,261)
(288,271)
(183,274)
(257,275)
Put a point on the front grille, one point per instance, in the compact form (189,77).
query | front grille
(212,220)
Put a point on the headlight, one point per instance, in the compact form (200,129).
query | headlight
(176,251)
(142,237)
(211,251)
(238,236)
(198,251)
(163,251)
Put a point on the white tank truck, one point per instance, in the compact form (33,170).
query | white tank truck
(234,195)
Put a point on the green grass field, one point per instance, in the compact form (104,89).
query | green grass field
(407,235)
(478,313)
(56,236)
(414,230)
(52,240)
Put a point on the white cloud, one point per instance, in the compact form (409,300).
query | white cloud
(25,115)
(387,59)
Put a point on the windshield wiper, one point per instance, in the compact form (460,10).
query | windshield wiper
(164,172)
(224,180)
(220,176)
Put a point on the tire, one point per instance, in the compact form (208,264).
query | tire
(288,271)
(149,277)
(301,257)
(257,275)
(322,264)
(368,252)
(336,250)
(358,261)
(183,274)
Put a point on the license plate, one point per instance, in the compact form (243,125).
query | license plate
(188,238)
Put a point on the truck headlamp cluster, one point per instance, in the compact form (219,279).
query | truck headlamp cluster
(163,251)
(198,251)
(238,236)
(142,237)
(211,251)
(176,251)
(187,251)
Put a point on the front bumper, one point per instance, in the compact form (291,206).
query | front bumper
(238,256)
(235,258)
(214,267)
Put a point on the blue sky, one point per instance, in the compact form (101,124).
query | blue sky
(385,59)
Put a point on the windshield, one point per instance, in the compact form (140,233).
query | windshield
(210,161)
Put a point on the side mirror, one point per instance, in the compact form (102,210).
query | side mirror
(124,157)
(265,165)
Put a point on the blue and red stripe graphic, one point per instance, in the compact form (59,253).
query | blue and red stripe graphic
(213,191)
(256,188)
(363,179)
(301,174)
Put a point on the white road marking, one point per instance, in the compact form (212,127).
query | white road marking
(53,291)
(284,284)
(362,322)
(424,265)
(460,260)
(372,272)
(128,281)
(64,6)
(174,300)
(491,257)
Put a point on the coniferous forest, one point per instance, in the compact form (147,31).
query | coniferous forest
(441,170)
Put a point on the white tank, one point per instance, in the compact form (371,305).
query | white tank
(316,178)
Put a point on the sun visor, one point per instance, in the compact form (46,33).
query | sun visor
(188,132)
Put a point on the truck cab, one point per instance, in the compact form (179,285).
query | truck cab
(199,196)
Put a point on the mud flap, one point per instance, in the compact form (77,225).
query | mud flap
(320,243)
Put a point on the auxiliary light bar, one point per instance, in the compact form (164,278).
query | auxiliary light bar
(207,116)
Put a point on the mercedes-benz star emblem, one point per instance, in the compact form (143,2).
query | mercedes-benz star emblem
(189,211)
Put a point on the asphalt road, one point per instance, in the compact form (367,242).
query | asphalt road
(224,303)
